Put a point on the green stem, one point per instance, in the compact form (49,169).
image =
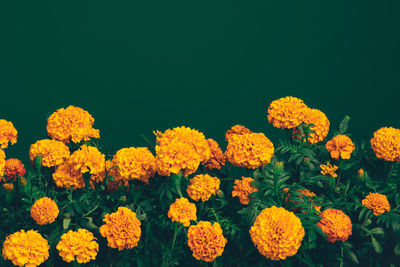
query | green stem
(174,238)
(38,166)
(276,190)
(215,214)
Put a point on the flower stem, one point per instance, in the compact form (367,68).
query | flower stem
(174,238)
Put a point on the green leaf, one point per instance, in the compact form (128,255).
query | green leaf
(377,246)
(66,223)
(350,254)
(397,250)
(344,124)
(377,231)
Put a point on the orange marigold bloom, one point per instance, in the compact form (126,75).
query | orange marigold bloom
(277,233)
(80,244)
(335,224)
(249,150)
(376,202)
(28,249)
(206,241)
(2,162)
(67,176)
(53,152)
(217,159)
(7,133)
(328,169)
(135,163)
(88,159)
(44,211)
(243,188)
(236,129)
(340,146)
(122,229)
(8,187)
(182,211)
(13,168)
(112,171)
(386,143)
(72,123)
(202,186)
(287,112)
(320,125)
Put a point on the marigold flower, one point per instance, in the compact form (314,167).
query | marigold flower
(320,126)
(386,143)
(202,186)
(236,129)
(122,229)
(287,112)
(2,162)
(217,159)
(80,244)
(88,159)
(67,176)
(340,146)
(8,187)
(135,163)
(7,133)
(13,168)
(72,123)
(182,211)
(243,188)
(28,249)
(206,241)
(249,150)
(44,211)
(328,169)
(53,152)
(335,224)
(376,202)
(277,233)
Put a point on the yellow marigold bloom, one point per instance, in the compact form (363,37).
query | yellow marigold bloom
(277,233)
(122,229)
(53,152)
(28,249)
(335,224)
(135,163)
(80,244)
(72,123)
(112,171)
(320,125)
(13,168)
(182,211)
(8,187)
(217,159)
(7,133)
(287,112)
(206,241)
(340,146)
(2,162)
(67,176)
(236,129)
(249,150)
(386,143)
(328,169)
(376,202)
(44,211)
(202,186)
(243,189)
(88,159)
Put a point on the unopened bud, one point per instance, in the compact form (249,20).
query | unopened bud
(9,187)
(307,161)
(23,181)
(361,175)
(278,167)
(123,198)
(220,193)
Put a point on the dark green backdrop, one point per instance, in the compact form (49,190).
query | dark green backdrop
(137,66)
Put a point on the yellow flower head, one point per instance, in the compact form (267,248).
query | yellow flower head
(287,112)
(80,244)
(277,233)
(9,187)
(2,162)
(206,241)
(320,125)
(202,186)
(71,123)
(7,133)
(53,152)
(340,146)
(135,163)
(376,202)
(122,229)
(386,143)
(88,159)
(44,211)
(66,176)
(28,249)
(182,211)
(242,189)
(328,169)
(217,159)
(236,129)
(249,150)
(335,224)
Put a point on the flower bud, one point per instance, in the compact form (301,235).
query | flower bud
(220,194)
(9,187)
(361,175)
(307,161)
(278,167)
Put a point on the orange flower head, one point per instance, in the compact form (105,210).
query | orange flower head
(320,125)
(202,186)
(67,176)
(122,229)
(44,211)
(80,245)
(9,187)
(335,224)
(28,249)
(236,129)
(328,169)
(8,133)
(53,152)
(217,159)
(386,143)
(340,146)
(2,162)
(287,112)
(88,159)
(13,168)
(277,233)
(182,211)
(243,188)
(206,241)
(376,202)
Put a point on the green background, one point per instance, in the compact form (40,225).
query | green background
(138,66)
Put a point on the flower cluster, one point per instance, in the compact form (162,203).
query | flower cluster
(340,146)
(217,159)
(376,202)
(7,133)
(182,211)
(44,211)
(206,241)
(386,143)
(335,224)
(53,152)
(243,188)
(79,244)
(328,169)
(14,168)
(287,112)
(202,186)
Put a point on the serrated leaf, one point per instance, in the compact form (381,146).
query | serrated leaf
(377,246)
(350,254)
